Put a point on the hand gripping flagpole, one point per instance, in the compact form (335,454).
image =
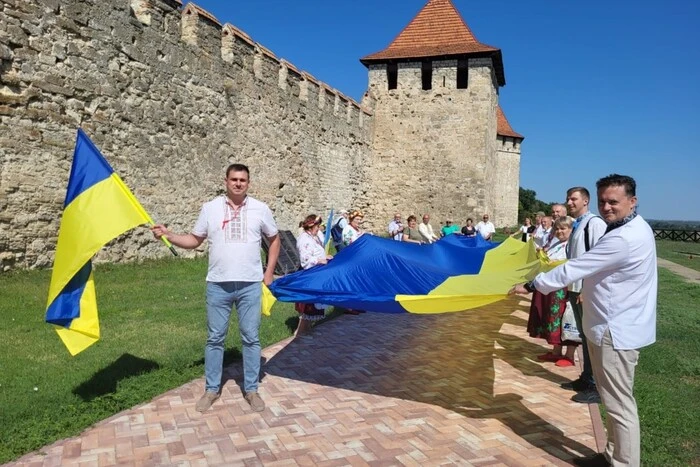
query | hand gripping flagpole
(138,206)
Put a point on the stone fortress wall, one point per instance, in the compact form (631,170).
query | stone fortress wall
(171,97)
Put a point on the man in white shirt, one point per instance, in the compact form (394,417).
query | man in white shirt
(426,230)
(539,230)
(396,227)
(543,234)
(619,295)
(558,210)
(234,224)
(588,228)
(486,228)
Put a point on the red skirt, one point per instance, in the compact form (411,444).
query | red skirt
(546,312)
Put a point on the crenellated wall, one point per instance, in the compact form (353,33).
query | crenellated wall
(171,97)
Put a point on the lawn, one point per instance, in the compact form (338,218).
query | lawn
(684,253)
(667,383)
(153,332)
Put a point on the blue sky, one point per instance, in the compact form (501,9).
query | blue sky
(596,87)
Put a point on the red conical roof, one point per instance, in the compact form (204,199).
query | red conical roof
(437,30)
(503,128)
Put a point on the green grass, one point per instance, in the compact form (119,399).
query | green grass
(667,381)
(684,253)
(153,326)
(153,333)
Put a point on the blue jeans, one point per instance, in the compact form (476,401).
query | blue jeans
(587,374)
(221,296)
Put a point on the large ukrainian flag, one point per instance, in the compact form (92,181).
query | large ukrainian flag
(378,274)
(98,208)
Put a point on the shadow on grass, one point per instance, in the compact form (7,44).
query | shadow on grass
(292,323)
(105,380)
(447,360)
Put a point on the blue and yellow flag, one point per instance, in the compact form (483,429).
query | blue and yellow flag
(377,274)
(327,234)
(98,208)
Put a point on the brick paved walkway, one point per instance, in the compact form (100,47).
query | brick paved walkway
(375,389)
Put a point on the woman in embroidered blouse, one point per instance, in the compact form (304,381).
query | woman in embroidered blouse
(311,253)
(411,233)
(353,231)
(546,311)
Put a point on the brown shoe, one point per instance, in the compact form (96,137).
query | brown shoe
(256,403)
(206,401)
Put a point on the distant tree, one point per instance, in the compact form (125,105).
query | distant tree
(528,204)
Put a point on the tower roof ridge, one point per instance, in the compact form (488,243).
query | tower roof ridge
(503,128)
(437,30)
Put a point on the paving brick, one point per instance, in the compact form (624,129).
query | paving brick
(460,388)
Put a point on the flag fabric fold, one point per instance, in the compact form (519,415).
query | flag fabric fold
(377,274)
(98,208)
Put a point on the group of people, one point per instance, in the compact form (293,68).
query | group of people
(609,280)
(346,227)
(423,233)
(541,230)
(551,314)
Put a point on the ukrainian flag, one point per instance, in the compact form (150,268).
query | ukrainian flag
(98,208)
(327,233)
(378,274)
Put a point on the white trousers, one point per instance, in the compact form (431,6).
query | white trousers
(613,371)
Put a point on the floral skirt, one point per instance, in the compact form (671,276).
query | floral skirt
(310,311)
(546,312)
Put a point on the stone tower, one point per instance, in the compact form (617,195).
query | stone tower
(440,142)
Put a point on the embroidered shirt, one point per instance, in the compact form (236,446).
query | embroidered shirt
(234,234)
(620,287)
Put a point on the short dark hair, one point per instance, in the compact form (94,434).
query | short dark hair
(237,168)
(410,218)
(469,219)
(618,180)
(583,190)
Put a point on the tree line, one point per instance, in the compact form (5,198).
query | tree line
(529,205)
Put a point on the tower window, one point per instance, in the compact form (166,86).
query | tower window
(392,75)
(427,75)
(462,73)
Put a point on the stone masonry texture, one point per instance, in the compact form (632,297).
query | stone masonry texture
(171,97)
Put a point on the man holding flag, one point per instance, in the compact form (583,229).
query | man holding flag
(234,224)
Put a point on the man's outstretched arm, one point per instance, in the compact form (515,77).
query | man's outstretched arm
(186,241)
